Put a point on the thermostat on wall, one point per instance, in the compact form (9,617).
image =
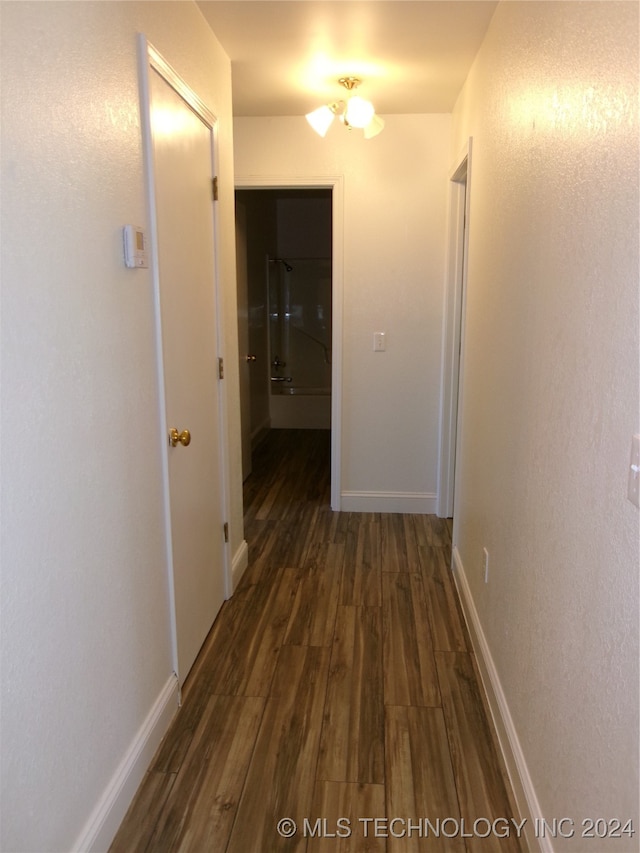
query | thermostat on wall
(135,246)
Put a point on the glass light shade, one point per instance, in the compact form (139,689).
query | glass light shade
(374,127)
(320,119)
(359,112)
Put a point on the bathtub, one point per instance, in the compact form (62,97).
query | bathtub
(294,407)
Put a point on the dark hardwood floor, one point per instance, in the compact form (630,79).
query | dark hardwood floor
(337,690)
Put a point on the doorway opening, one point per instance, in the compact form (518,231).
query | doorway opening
(285,314)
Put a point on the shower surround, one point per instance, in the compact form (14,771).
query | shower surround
(300,342)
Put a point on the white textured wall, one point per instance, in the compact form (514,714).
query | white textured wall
(551,393)
(85,626)
(395,189)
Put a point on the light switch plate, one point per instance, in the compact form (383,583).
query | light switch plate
(379,343)
(633,489)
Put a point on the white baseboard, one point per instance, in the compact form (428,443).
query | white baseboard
(260,432)
(100,829)
(521,783)
(404,502)
(239,564)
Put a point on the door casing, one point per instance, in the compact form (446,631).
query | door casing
(454,328)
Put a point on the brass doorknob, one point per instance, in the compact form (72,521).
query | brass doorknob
(250,357)
(183,437)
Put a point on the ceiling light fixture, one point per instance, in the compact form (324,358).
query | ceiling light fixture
(355,112)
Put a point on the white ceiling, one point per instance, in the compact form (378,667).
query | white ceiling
(412,55)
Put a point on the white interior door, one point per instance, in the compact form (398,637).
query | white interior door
(182,143)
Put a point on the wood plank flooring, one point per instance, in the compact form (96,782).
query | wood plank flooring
(336,689)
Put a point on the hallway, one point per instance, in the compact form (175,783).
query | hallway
(336,687)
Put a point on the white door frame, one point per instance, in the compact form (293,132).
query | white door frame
(453,337)
(336,185)
(149,57)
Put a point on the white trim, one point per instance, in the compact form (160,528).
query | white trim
(239,564)
(453,327)
(521,782)
(147,145)
(402,502)
(265,425)
(223,384)
(100,829)
(258,433)
(171,76)
(336,184)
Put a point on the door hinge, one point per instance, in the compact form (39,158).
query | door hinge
(221,368)
(214,183)
(226,531)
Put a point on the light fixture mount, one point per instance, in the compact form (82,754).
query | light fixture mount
(350,83)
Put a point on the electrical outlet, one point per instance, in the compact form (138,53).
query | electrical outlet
(485,564)
(633,487)
(379,343)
